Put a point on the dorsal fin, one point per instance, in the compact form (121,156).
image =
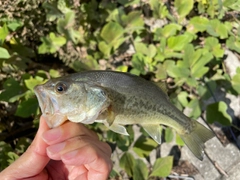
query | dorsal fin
(162,86)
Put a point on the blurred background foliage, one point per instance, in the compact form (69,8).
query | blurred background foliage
(181,42)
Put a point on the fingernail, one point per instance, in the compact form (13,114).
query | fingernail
(70,155)
(56,148)
(52,135)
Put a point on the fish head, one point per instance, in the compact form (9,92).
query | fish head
(62,100)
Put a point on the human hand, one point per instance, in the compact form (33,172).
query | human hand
(70,151)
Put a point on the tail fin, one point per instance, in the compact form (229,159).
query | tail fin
(195,140)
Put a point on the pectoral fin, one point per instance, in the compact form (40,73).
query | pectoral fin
(82,118)
(110,116)
(155,131)
(119,129)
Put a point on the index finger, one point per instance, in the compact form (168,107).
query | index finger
(66,131)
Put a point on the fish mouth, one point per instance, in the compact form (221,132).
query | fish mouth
(49,107)
(44,101)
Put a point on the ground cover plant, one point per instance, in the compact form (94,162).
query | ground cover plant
(183,43)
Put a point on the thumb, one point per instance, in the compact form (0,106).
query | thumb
(34,160)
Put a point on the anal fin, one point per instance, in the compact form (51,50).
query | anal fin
(155,131)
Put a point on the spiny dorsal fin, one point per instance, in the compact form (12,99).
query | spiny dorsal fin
(162,86)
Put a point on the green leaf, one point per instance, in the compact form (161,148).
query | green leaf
(40,73)
(11,88)
(199,69)
(179,71)
(175,101)
(3,34)
(196,108)
(116,15)
(140,170)
(212,9)
(22,144)
(162,167)
(200,72)
(155,4)
(27,108)
(123,142)
(217,29)
(203,90)
(54,73)
(114,174)
(238,70)
(14,25)
(66,26)
(122,68)
(179,140)
(236,82)
(213,45)
(138,62)
(4,53)
(66,23)
(105,48)
(232,4)
(133,21)
(62,6)
(161,72)
(144,145)
(217,112)
(198,24)
(168,134)
(177,43)
(12,157)
(233,43)
(192,82)
(51,44)
(111,32)
(189,55)
(159,9)
(118,43)
(170,29)
(127,162)
(141,48)
(19,96)
(4,158)
(183,7)
(182,98)
(57,41)
(32,82)
(52,10)
(163,12)
(89,63)
(152,51)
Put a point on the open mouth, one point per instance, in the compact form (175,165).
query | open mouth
(49,107)
(44,101)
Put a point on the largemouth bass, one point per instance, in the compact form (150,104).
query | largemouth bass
(117,99)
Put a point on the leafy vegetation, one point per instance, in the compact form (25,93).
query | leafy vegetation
(181,42)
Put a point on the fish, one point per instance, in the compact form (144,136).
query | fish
(117,99)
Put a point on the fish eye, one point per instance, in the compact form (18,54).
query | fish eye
(60,87)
